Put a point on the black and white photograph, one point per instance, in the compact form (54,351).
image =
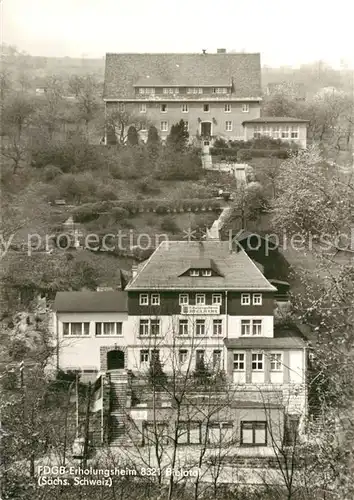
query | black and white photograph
(176,250)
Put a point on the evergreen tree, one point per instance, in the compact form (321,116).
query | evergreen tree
(178,137)
(133,137)
(201,373)
(156,375)
(153,136)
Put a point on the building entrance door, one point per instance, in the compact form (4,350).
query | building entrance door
(115,360)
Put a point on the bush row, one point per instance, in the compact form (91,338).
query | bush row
(122,209)
(248,154)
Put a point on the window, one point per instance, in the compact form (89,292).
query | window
(122,107)
(216,299)
(155,326)
(266,131)
(144,299)
(253,433)
(206,272)
(220,90)
(245,108)
(245,299)
(108,328)
(276,362)
(276,132)
(285,133)
(228,126)
(257,362)
(245,327)
(163,108)
(257,299)
(183,299)
(164,126)
(144,327)
(194,90)
(194,272)
(76,329)
(170,90)
(199,358)
(142,107)
(227,108)
(189,433)
(251,327)
(257,327)
(186,125)
(206,108)
(220,432)
(200,327)
(183,327)
(155,299)
(294,133)
(200,299)
(144,356)
(185,108)
(257,132)
(217,327)
(217,358)
(239,361)
(182,356)
(146,90)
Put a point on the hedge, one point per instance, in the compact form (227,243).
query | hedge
(223,151)
(262,153)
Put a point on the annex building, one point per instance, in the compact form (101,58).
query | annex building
(190,303)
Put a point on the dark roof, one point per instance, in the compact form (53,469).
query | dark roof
(275,119)
(284,338)
(123,71)
(90,302)
(163,270)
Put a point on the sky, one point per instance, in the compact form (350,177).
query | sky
(285,33)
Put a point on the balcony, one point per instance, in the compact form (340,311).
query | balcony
(201,310)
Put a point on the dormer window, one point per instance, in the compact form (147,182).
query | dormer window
(194,272)
(206,272)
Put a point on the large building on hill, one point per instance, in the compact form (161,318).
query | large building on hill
(190,304)
(212,92)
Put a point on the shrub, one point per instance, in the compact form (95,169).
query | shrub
(50,172)
(262,153)
(169,225)
(77,188)
(133,137)
(119,214)
(147,186)
(220,143)
(244,155)
(226,152)
(106,193)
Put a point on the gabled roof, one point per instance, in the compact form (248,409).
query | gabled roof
(123,71)
(275,119)
(163,270)
(285,337)
(78,302)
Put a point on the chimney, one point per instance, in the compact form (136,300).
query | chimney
(134,270)
(204,51)
(221,51)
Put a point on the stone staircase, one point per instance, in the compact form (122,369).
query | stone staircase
(119,380)
(207,161)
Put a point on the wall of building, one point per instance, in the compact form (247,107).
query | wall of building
(84,352)
(292,371)
(208,414)
(249,129)
(217,115)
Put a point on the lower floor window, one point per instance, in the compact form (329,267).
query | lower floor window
(76,329)
(253,433)
(189,433)
(109,328)
(155,433)
(220,432)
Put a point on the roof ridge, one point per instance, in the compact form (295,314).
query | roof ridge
(145,264)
